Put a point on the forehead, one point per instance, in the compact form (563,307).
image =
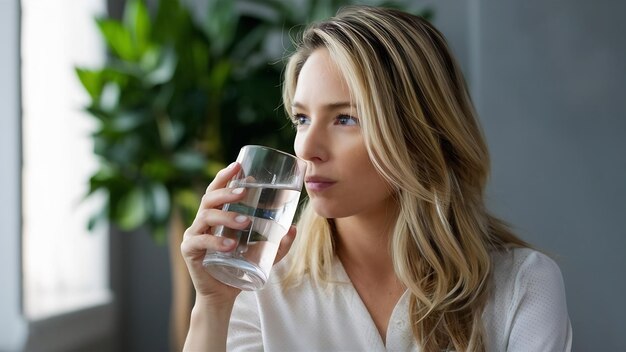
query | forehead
(321,81)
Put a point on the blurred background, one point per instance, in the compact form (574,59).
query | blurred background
(138,104)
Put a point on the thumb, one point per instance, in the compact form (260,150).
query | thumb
(285,244)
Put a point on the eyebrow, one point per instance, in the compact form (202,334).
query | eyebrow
(330,106)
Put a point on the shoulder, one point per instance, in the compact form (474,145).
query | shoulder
(523,274)
(528,307)
(523,264)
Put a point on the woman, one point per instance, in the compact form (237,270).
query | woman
(395,249)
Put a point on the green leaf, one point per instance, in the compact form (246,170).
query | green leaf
(189,161)
(247,44)
(427,13)
(271,11)
(168,130)
(159,200)
(97,219)
(164,97)
(118,39)
(96,112)
(101,145)
(169,20)
(159,169)
(221,24)
(200,57)
(220,74)
(322,9)
(127,121)
(110,97)
(188,200)
(131,210)
(165,69)
(116,73)
(91,81)
(99,181)
(150,58)
(213,167)
(137,22)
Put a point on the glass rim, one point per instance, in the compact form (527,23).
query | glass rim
(272,149)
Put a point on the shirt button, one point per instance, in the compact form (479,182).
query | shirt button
(400,324)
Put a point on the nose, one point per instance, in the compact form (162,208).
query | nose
(311,143)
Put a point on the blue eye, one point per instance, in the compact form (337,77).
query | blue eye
(301,119)
(347,120)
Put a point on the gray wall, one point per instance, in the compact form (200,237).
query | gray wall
(141,283)
(549,82)
(551,89)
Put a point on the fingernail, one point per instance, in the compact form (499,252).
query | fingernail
(241,218)
(228,242)
(231,165)
(237,190)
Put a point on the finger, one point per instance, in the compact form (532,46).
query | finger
(285,244)
(198,245)
(223,176)
(207,218)
(219,197)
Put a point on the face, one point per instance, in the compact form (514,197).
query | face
(341,180)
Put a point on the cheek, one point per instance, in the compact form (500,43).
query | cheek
(367,177)
(360,162)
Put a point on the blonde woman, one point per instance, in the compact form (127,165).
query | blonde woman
(395,248)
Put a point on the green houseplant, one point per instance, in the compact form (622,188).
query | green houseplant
(177,98)
(165,101)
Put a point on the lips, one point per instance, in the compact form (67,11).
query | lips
(318,184)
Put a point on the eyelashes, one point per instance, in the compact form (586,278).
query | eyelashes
(299,120)
(347,120)
(341,120)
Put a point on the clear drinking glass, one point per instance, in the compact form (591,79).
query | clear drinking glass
(272,181)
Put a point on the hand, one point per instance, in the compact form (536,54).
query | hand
(198,238)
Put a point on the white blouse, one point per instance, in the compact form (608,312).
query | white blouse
(527,312)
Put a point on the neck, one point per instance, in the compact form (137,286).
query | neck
(363,240)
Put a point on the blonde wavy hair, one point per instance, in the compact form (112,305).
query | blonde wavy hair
(422,135)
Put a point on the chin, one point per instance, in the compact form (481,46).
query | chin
(329,211)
